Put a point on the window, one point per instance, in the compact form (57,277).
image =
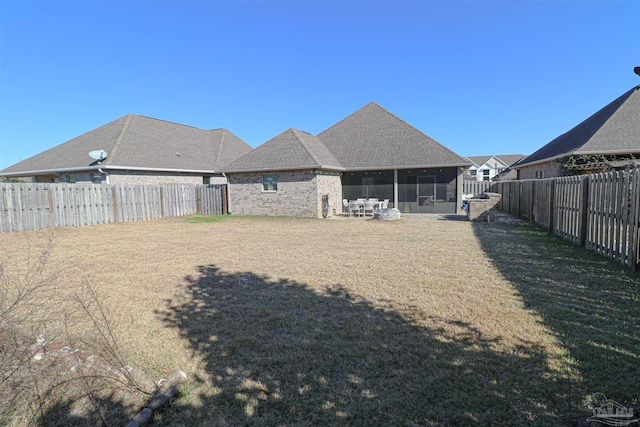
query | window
(485,175)
(71,179)
(269,182)
(539,174)
(206,180)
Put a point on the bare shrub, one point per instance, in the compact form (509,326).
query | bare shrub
(59,357)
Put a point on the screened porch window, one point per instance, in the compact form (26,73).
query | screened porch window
(427,190)
(368,184)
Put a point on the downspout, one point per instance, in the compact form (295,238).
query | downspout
(106,175)
(228,194)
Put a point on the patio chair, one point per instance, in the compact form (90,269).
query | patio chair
(346,207)
(385,203)
(354,206)
(368,206)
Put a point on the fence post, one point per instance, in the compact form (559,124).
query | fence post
(225,206)
(634,179)
(114,204)
(584,211)
(533,201)
(552,205)
(51,215)
(520,193)
(162,188)
(198,200)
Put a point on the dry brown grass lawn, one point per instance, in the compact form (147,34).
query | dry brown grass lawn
(284,321)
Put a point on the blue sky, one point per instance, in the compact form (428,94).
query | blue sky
(481,77)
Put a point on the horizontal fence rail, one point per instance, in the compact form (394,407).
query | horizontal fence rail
(38,206)
(600,212)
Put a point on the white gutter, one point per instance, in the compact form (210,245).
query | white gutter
(137,168)
(50,171)
(346,169)
(377,168)
(571,153)
(103,167)
(283,168)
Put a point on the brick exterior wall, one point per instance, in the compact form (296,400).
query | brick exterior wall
(83,177)
(135,177)
(480,209)
(330,183)
(549,169)
(299,193)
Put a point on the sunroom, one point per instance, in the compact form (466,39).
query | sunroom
(415,190)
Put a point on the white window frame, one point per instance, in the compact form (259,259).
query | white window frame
(270,185)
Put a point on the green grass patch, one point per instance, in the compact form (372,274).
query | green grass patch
(207,218)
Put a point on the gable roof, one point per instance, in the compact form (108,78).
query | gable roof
(506,159)
(615,129)
(510,159)
(140,143)
(292,149)
(374,138)
(478,160)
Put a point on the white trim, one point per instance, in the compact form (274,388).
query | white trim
(283,168)
(573,153)
(103,167)
(382,168)
(344,169)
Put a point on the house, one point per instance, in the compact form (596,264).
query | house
(609,138)
(487,168)
(287,175)
(136,150)
(371,153)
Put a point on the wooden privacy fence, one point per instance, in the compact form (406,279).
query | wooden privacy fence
(37,206)
(600,212)
(476,187)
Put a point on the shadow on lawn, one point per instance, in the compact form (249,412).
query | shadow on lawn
(279,353)
(590,303)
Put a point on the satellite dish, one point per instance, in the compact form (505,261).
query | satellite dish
(99,155)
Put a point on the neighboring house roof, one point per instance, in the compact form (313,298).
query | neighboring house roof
(374,138)
(292,149)
(478,160)
(505,159)
(615,129)
(140,143)
(510,159)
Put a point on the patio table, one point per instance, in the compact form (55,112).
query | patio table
(358,205)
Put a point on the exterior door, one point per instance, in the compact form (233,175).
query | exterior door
(426,192)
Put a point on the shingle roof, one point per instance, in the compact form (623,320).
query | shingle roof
(372,137)
(508,159)
(292,149)
(135,141)
(615,129)
(479,160)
